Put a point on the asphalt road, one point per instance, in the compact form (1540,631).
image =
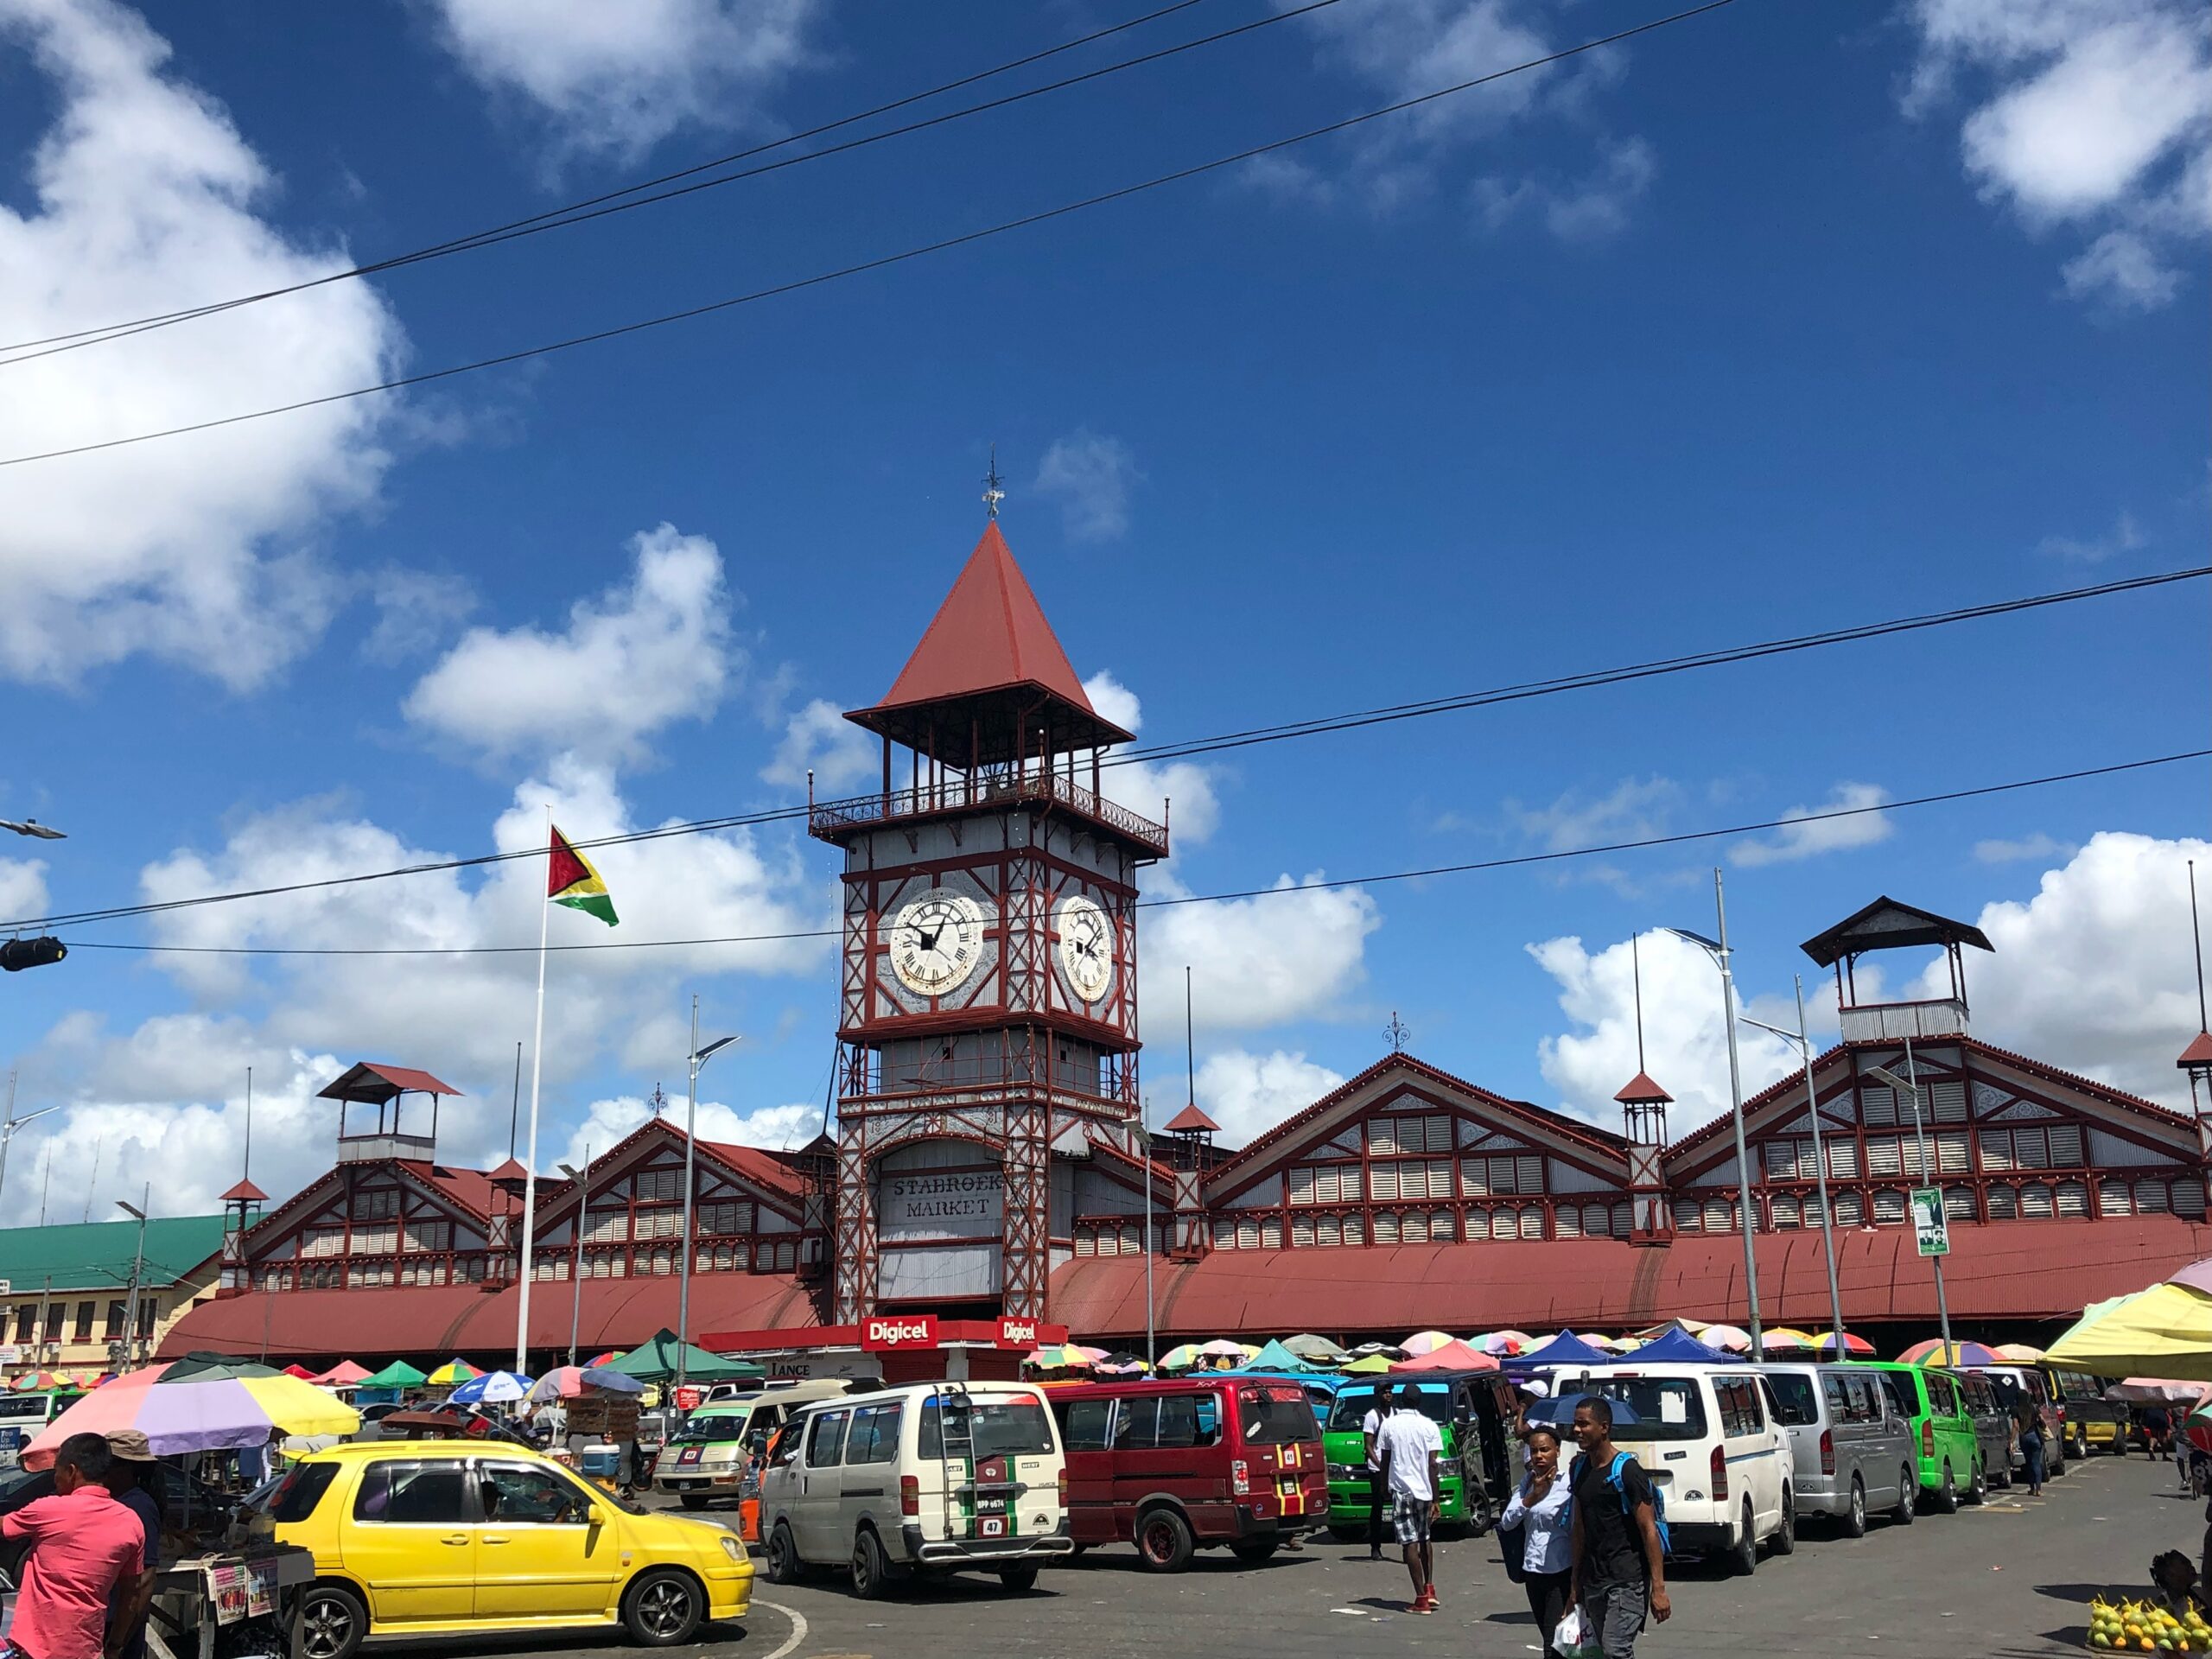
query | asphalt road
(2011,1579)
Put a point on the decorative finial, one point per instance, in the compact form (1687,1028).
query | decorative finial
(1397,1032)
(992,493)
(658,1102)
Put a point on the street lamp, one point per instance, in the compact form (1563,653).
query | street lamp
(699,1058)
(137,1264)
(1718,950)
(582,1180)
(33,827)
(1908,1085)
(9,1128)
(1820,1156)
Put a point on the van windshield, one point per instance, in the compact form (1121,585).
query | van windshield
(721,1425)
(1353,1405)
(1667,1408)
(1276,1414)
(996,1424)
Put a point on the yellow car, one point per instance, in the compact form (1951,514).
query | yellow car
(456,1537)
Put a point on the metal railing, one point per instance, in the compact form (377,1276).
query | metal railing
(1894,1021)
(382,1148)
(961,794)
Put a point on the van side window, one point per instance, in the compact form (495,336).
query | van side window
(1941,1397)
(1739,1407)
(1085,1423)
(875,1436)
(825,1439)
(1790,1397)
(1865,1400)
(1178,1421)
(1900,1397)
(1138,1425)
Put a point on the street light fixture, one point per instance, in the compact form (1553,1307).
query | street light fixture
(9,1128)
(138,1265)
(698,1060)
(1820,1156)
(1908,1085)
(576,1252)
(33,827)
(1718,950)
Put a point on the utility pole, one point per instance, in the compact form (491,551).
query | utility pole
(582,1179)
(138,1267)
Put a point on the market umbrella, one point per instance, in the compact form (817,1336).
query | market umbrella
(2197,1427)
(1565,1349)
(1094,1355)
(1275,1357)
(491,1388)
(344,1374)
(1066,1357)
(1726,1338)
(1454,1355)
(1423,1342)
(1856,1347)
(44,1382)
(299,1372)
(602,1361)
(1180,1358)
(2165,1331)
(1223,1348)
(1369,1365)
(201,1366)
(1500,1344)
(568,1382)
(452,1372)
(1782,1339)
(397,1375)
(2018,1353)
(1121,1365)
(1316,1351)
(1932,1352)
(2154,1391)
(204,1415)
(657,1361)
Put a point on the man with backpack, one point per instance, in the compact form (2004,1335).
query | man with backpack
(1619,1565)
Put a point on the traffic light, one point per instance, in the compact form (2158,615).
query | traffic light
(16,955)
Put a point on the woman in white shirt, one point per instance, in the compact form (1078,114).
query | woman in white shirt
(1538,1515)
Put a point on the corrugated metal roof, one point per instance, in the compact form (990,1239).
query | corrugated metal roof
(373,1081)
(95,1255)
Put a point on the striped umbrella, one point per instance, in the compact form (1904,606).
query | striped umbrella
(453,1371)
(1784,1340)
(1857,1347)
(1424,1342)
(1932,1352)
(196,1415)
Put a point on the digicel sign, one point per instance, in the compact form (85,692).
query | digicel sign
(1018,1333)
(915,1331)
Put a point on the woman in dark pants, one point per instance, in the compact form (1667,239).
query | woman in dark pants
(2028,1423)
(1537,1522)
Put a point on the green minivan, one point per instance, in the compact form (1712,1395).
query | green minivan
(1472,1409)
(1943,1431)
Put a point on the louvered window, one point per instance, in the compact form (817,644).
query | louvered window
(1597,1220)
(2151,1197)
(1225,1236)
(1997,1149)
(1882,1155)
(1843,1160)
(1301,1184)
(1951,1157)
(376,1236)
(2030,1149)
(1328,1230)
(2065,1146)
(1958,1206)
(659,1186)
(1621,1222)
(1889,1206)
(1880,1102)
(1383,1181)
(1532,1222)
(2189,1199)
(1487,1177)
(377,1204)
(2004,1204)
(1688,1218)
(1788,1215)
(665,1222)
(1719,1216)
(1270,1233)
(2114,1199)
(323,1241)
(1948,1102)
(427,1234)
(1850,1210)
(1324,1183)
(607,1226)
(1569,1221)
(2074,1198)
(1386,1227)
(1301,1232)
(2035,1203)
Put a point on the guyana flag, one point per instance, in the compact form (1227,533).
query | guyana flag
(571,881)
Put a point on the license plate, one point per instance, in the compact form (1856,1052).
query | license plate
(990,1506)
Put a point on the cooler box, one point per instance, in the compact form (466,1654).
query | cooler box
(600,1462)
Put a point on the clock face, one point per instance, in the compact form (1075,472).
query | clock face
(936,942)
(1086,946)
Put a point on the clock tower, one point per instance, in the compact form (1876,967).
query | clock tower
(988,1011)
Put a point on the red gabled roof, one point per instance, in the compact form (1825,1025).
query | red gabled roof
(1190,1120)
(371,1080)
(1640,1090)
(989,632)
(762,1168)
(512,1170)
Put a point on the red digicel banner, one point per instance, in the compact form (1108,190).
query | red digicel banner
(1018,1333)
(911,1331)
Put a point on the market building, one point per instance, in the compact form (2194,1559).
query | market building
(989,1161)
(81,1297)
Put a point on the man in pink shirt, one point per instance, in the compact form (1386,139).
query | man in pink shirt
(83,1543)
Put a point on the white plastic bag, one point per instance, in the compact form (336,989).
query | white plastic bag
(1567,1639)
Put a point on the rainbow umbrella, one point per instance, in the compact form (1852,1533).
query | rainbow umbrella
(205,1412)
(606,1358)
(568,1382)
(1932,1352)
(1726,1338)
(1424,1342)
(453,1371)
(1859,1347)
(1180,1358)
(44,1382)
(1066,1357)
(1784,1340)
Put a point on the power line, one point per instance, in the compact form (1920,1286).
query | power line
(552,217)
(1195,746)
(1427,872)
(585,213)
(879,263)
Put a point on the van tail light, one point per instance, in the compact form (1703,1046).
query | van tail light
(1240,1478)
(1063,1486)
(1827,1453)
(1928,1439)
(910,1493)
(1719,1475)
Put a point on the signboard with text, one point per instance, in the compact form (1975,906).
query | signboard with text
(1023,1335)
(905,1331)
(941,1204)
(1929,1227)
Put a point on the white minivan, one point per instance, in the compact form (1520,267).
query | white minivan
(934,1478)
(1712,1450)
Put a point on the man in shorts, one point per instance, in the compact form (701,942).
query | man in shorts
(1409,1446)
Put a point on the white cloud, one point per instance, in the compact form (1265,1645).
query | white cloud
(1633,809)
(2091,112)
(2096,973)
(416,611)
(819,738)
(23,886)
(1091,476)
(1811,836)
(618,78)
(141,195)
(646,652)
(1296,953)
(1586,209)
(1179,793)
(1248,1094)
(607,1123)
(1684,1032)
(2123,537)
(2034,846)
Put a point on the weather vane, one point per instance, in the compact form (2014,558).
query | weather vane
(992,493)
(1397,1032)
(658,1102)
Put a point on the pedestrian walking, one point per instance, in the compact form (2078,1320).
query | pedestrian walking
(1620,1572)
(83,1545)
(1411,1447)
(2029,1423)
(1537,1534)
(1378,1488)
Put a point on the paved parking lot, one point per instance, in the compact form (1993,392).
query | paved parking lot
(2011,1578)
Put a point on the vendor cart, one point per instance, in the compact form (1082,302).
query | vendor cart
(232,1604)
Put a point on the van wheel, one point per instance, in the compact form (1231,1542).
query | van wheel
(1019,1578)
(1855,1518)
(870,1572)
(1785,1540)
(662,1607)
(1744,1553)
(2055,1463)
(694,1500)
(1946,1494)
(1978,1484)
(1253,1551)
(332,1621)
(783,1555)
(1163,1541)
(1907,1498)
(2080,1450)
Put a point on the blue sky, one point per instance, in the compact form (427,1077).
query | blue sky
(1778,319)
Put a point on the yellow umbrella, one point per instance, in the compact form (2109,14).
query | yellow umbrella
(2165,1331)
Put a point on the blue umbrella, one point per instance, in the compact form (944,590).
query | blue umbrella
(491,1388)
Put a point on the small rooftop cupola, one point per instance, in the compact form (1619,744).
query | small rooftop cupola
(385,1087)
(1193,1132)
(1886,925)
(1644,1111)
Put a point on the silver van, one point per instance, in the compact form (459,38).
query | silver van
(1852,1453)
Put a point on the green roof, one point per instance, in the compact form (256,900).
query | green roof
(97,1255)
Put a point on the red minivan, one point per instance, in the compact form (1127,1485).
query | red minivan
(1175,1467)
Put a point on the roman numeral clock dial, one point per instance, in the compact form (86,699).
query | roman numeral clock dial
(936,942)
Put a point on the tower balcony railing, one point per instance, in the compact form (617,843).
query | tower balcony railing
(386,1144)
(960,793)
(1875,1022)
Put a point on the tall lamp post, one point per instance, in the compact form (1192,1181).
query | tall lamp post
(1820,1157)
(582,1179)
(1908,1085)
(138,1265)
(8,1129)
(699,1058)
(1718,950)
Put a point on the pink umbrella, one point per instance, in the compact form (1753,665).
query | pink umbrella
(344,1374)
(1726,1338)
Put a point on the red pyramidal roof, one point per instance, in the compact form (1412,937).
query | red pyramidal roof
(1641,1090)
(977,674)
(1192,1121)
(2199,1053)
(244,1192)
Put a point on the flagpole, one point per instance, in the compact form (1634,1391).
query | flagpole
(529,1169)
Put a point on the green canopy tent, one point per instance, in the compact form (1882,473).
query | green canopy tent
(1276,1357)
(655,1362)
(397,1375)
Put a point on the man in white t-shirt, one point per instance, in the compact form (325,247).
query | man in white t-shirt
(1378,1485)
(1410,1447)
